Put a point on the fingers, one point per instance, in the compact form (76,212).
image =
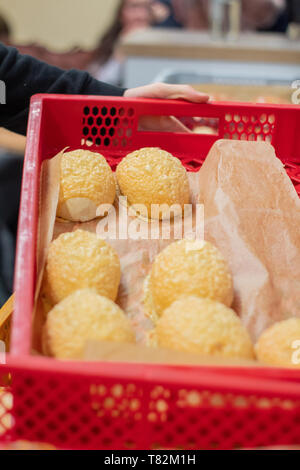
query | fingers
(184,92)
(166,91)
(139,92)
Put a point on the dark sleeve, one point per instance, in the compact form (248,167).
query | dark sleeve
(25,76)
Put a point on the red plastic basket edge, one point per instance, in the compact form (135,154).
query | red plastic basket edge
(194,376)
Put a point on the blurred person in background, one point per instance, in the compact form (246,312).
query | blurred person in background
(195,14)
(107,62)
(164,12)
(131,15)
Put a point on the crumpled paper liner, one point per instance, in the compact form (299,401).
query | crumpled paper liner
(252,214)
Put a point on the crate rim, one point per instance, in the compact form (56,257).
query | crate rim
(234,382)
(41,97)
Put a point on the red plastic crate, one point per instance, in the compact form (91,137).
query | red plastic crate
(117,406)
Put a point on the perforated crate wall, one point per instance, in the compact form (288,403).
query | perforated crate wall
(113,126)
(107,126)
(105,412)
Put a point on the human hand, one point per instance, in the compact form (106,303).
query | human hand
(165,91)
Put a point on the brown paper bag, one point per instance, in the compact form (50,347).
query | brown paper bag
(252,214)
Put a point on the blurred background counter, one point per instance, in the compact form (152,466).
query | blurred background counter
(195,57)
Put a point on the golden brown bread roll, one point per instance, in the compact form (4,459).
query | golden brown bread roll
(198,325)
(279,345)
(78,260)
(84,315)
(153,176)
(86,182)
(187,268)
